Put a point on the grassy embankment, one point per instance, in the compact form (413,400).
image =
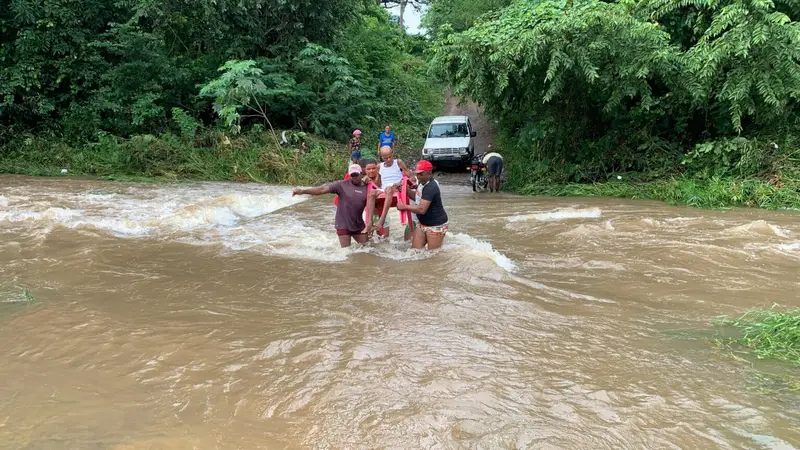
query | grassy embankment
(212,156)
(702,193)
(777,187)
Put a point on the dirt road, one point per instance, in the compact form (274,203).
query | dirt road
(482,124)
(484,127)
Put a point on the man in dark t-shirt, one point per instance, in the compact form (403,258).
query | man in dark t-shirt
(352,194)
(433,220)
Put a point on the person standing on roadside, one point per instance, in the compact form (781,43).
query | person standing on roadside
(354,146)
(386,139)
(349,221)
(433,220)
(494,167)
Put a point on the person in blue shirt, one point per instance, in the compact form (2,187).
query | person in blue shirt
(386,139)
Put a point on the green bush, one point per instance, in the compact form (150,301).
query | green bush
(211,156)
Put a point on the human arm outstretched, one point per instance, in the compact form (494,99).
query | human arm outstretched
(319,190)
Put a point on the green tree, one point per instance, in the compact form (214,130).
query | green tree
(600,87)
(458,14)
(80,66)
(242,91)
(743,60)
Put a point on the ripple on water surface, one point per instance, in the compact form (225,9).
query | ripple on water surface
(538,325)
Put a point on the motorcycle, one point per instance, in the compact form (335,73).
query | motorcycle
(478,174)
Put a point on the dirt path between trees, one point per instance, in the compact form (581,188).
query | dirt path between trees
(482,124)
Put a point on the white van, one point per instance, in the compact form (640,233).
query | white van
(449,141)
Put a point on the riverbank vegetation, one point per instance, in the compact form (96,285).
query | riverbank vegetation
(691,102)
(714,192)
(202,90)
(770,333)
(210,156)
(688,102)
(766,334)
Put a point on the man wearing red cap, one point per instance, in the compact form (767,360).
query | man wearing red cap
(430,212)
(352,201)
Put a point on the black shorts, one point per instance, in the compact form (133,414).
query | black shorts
(494,166)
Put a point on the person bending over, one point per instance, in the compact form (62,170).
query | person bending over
(494,167)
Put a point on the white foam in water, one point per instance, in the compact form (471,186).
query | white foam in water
(560,214)
(468,244)
(165,211)
(790,248)
(3,202)
(760,227)
(237,217)
(59,215)
(280,235)
(455,243)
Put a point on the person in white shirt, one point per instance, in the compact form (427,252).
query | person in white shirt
(392,172)
(494,167)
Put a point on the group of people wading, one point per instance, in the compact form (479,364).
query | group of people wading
(372,188)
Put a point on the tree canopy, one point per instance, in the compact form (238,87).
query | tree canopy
(74,68)
(602,86)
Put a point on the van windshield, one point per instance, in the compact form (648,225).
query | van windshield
(446,130)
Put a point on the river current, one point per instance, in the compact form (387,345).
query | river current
(215,315)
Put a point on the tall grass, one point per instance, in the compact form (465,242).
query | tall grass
(211,156)
(710,193)
(769,334)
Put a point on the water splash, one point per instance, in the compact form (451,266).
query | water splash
(761,227)
(235,217)
(793,247)
(138,212)
(467,244)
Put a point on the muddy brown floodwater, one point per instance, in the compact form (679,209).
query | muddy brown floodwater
(224,316)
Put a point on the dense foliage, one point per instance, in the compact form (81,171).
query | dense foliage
(444,16)
(589,88)
(75,72)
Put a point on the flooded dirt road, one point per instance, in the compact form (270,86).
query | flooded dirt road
(225,316)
